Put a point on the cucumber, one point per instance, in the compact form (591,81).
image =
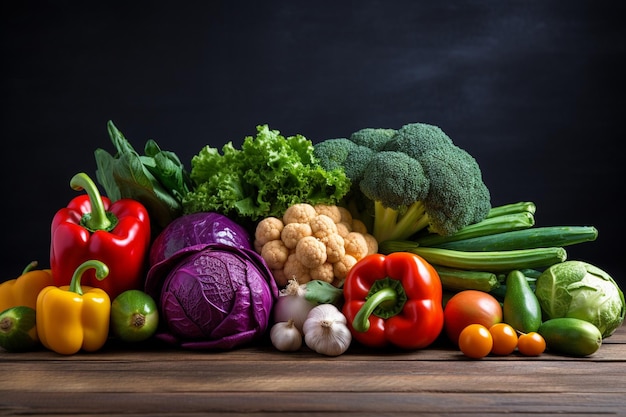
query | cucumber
(520,308)
(18,331)
(571,336)
(534,237)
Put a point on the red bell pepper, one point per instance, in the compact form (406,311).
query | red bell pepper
(91,227)
(393,300)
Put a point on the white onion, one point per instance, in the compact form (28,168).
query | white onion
(292,307)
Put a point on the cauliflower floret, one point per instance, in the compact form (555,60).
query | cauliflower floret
(324,272)
(343,229)
(275,254)
(299,213)
(356,245)
(346,216)
(331,211)
(358,226)
(372,243)
(334,247)
(322,226)
(342,267)
(311,252)
(268,229)
(293,232)
(294,269)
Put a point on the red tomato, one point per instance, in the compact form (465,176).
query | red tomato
(470,307)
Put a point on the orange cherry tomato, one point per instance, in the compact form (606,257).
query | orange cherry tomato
(504,339)
(531,344)
(475,341)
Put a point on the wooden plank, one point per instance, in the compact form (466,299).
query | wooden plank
(312,404)
(286,376)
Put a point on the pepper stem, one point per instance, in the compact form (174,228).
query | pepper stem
(101,273)
(99,218)
(385,299)
(31,265)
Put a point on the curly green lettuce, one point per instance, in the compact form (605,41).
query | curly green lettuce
(263,178)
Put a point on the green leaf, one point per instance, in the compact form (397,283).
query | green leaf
(157,180)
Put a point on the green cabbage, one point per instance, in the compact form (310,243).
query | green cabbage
(581,290)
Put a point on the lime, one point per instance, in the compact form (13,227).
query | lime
(18,331)
(134,316)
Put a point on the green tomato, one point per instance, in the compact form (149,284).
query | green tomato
(134,316)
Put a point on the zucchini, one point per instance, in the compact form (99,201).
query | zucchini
(459,279)
(535,237)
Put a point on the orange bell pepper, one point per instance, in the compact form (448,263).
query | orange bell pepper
(71,317)
(23,290)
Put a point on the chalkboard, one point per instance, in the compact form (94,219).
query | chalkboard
(534,90)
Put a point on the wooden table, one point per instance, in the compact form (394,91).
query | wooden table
(156,380)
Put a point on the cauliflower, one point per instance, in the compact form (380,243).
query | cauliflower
(321,242)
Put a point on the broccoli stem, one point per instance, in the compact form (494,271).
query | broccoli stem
(384,221)
(412,221)
(390,224)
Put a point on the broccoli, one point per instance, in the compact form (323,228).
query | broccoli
(345,154)
(372,138)
(415,177)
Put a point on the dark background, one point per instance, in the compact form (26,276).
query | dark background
(534,90)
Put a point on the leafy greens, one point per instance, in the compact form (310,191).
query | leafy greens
(157,179)
(266,175)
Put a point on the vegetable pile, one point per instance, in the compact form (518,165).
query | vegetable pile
(386,238)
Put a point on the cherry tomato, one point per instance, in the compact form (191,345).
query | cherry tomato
(504,339)
(531,344)
(470,307)
(475,341)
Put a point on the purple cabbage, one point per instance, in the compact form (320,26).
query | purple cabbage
(212,296)
(198,228)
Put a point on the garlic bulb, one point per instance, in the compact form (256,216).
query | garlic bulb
(285,336)
(325,330)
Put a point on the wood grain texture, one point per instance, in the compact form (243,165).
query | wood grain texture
(157,380)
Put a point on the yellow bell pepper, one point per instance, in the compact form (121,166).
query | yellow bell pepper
(23,290)
(70,318)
